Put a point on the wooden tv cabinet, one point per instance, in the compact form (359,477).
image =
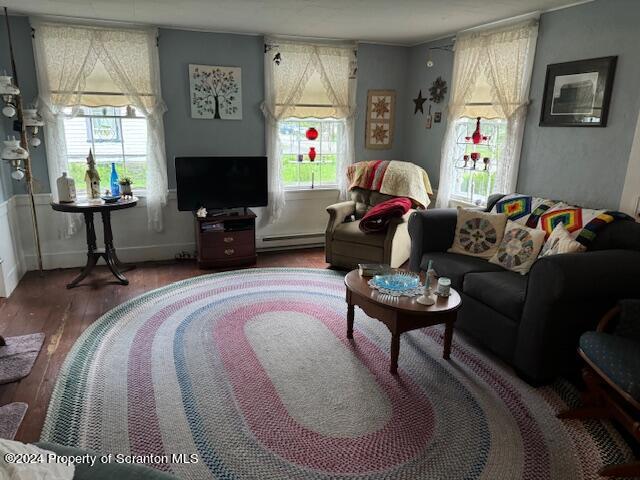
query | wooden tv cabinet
(226,240)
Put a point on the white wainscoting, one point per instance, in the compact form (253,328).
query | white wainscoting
(132,238)
(303,221)
(302,224)
(12,262)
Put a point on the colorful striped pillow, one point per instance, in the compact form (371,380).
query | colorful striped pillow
(560,241)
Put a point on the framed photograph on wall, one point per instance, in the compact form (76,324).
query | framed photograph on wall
(381,107)
(216,92)
(577,94)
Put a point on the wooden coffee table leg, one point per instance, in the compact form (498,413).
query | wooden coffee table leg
(448,336)
(395,353)
(350,316)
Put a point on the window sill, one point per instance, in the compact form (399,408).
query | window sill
(459,202)
(311,193)
(309,189)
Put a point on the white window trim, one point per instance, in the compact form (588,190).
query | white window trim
(314,189)
(90,116)
(324,186)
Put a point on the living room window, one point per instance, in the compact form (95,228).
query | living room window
(474,181)
(298,170)
(99,89)
(115,135)
(490,85)
(308,85)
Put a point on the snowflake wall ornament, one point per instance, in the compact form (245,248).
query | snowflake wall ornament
(438,90)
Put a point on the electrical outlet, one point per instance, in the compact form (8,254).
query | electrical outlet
(183,255)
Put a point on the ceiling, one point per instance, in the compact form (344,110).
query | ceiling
(403,22)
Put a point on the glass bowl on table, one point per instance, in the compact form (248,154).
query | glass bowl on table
(397,283)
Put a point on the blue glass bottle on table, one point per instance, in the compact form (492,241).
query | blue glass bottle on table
(115,181)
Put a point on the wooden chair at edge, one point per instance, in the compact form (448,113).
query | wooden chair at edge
(604,399)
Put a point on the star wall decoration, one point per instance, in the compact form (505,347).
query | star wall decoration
(419,103)
(381,107)
(379,133)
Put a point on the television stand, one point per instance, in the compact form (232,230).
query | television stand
(227,239)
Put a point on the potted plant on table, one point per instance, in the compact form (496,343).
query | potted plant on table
(125,187)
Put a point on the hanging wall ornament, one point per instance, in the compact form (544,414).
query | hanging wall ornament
(438,90)
(353,66)
(380,119)
(311,133)
(277,58)
(419,103)
(427,123)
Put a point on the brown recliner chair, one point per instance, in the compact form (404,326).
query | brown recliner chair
(346,246)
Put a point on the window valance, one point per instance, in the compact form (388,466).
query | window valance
(495,65)
(310,79)
(97,66)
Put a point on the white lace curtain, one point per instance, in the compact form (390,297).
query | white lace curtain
(306,80)
(75,61)
(501,57)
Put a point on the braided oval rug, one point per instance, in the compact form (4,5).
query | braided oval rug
(251,370)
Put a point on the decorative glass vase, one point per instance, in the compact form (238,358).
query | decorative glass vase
(66,189)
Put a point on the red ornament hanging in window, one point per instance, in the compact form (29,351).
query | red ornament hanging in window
(312,153)
(477,136)
(312,133)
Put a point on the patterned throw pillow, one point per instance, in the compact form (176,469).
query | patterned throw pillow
(519,248)
(560,241)
(478,234)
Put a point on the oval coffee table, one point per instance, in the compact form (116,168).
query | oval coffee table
(400,314)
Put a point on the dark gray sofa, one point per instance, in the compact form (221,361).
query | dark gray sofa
(532,321)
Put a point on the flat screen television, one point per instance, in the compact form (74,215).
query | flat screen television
(218,183)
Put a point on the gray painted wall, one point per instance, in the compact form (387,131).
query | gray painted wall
(381,67)
(187,136)
(423,145)
(584,165)
(23,50)
(581,165)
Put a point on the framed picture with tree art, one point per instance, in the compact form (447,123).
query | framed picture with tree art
(216,92)
(577,94)
(381,109)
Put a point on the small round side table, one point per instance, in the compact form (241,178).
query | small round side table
(93,253)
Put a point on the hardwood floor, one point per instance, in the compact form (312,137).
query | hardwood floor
(43,304)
